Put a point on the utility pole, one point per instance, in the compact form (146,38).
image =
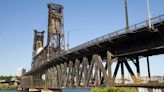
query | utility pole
(126,16)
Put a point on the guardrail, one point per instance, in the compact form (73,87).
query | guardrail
(109,36)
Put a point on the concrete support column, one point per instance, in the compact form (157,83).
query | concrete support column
(109,67)
(85,61)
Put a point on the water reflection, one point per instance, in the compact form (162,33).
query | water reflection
(150,89)
(88,90)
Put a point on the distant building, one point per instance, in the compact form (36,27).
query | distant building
(20,72)
(146,79)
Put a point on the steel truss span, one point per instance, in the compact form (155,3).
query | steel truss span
(89,64)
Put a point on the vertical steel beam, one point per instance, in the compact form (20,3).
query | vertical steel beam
(122,73)
(136,63)
(49,78)
(32,82)
(52,77)
(85,60)
(65,75)
(89,76)
(77,68)
(62,74)
(73,75)
(96,75)
(130,71)
(46,78)
(98,60)
(148,66)
(101,77)
(70,74)
(58,76)
(109,67)
(115,71)
(138,69)
(55,77)
(81,73)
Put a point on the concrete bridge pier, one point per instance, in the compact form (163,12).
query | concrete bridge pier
(50,90)
(34,90)
(44,90)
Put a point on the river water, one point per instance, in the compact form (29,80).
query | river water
(87,90)
(7,91)
(63,90)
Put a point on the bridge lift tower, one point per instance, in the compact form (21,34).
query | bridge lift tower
(38,42)
(55,40)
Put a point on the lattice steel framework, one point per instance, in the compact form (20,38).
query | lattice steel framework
(38,41)
(55,40)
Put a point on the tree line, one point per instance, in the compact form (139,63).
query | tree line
(6,77)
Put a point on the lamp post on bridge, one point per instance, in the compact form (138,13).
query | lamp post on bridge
(149,14)
(126,16)
(68,38)
(150,27)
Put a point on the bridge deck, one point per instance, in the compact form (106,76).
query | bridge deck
(138,41)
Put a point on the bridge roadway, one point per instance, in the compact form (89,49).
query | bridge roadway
(139,41)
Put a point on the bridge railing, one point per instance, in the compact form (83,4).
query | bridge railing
(39,60)
(110,36)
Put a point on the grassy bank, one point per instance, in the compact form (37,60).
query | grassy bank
(8,87)
(113,89)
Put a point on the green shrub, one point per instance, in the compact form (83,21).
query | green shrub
(113,89)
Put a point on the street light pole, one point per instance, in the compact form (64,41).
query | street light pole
(149,15)
(68,40)
(126,16)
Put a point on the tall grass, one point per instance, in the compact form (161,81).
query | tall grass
(114,89)
(8,87)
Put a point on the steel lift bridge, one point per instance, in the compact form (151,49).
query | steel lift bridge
(89,64)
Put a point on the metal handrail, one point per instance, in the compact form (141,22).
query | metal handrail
(109,36)
(132,28)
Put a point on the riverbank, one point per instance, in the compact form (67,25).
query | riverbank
(8,87)
(114,89)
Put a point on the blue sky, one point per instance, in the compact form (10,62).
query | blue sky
(85,19)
